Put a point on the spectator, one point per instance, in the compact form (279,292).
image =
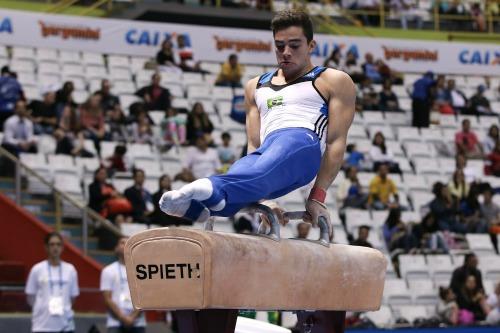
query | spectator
(472,299)
(461,273)
(118,162)
(158,216)
(121,317)
(185,55)
(388,101)
(466,141)
(407,10)
(109,102)
(448,310)
(422,100)
(101,193)
(380,154)
(200,161)
(353,157)
(351,67)
(350,192)
(368,95)
(441,96)
(303,229)
(18,131)
(155,96)
(140,198)
(478,17)
(333,61)
(479,104)
(227,153)
(490,212)
(492,165)
(44,113)
(117,124)
(391,224)
(491,140)
(165,57)
(67,144)
(141,129)
(471,174)
(363,235)
(397,235)
(428,236)
(381,190)
(92,120)
(231,73)
(51,290)
(493,301)
(456,98)
(444,209)
(173,128)
(371,6)
(458,187)
(198,123)
(471,212)
(10,92)
(69,121)
(370,69)
(64,97)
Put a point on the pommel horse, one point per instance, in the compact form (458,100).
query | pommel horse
(208,276)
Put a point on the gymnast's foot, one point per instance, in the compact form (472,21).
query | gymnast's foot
(179,204)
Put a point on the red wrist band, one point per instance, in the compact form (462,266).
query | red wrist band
(317,194)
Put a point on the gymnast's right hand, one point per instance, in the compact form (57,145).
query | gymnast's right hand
(315,209)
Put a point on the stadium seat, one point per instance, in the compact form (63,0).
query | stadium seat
(415,182)
(396,292)
(123,87)
(420,199)
(118,61)
(410,312)
(70,57)
(423,292)
(95,59)
(385,130)
(411,216)
(431,134)
(426,165)
(222,93)
(381,318)
(418,149)
(198,92)
(138,63)
(152,169)
(50,55)
(440,265)
(373,118)
(404,164)
(49,67)
(356,218)
(413,267)
(21,52)
(490,266)
(22,65)
(480,243)
(63,164)
(210,67)
(175,89)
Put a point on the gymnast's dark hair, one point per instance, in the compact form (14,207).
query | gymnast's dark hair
(293,18)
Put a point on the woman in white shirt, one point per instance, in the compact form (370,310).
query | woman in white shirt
(380,153)
(491,140)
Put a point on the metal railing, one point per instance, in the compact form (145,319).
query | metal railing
(64,205)
(65,4)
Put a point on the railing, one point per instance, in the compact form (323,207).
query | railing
(65,206)
(65,4)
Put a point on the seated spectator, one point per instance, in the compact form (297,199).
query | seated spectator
(333,61)
(466,141)
(227,153)
(456,98)
(303,229)
(479,104)
(350,192)
(18,132)
(109,102)
(92,120)
(461,273)
(140,198)
(391,224)
(173,128)
(471,298)
(397,235)
(382,188)
(353,157)
(231,73)
(118,162)
(117,124)
(155,96)
(351,67)
(388,101)
(370,69)
(491,140)
(200,161)
(493,301)
(448,310)
(387,73)
(471,174)
(165,56)
(67,144)
(44,113)
(492,164)
(441,98)
(158,216)
(428,236)
(380,154)
(368,95)
(458,187)
(445,209)
(64,97)
(141,129)
(11,92)
(198,123)
(490,212)
(471,212)
(363,235)
(69,121)
(185,55)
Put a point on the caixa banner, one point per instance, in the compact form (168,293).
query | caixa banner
(137,38)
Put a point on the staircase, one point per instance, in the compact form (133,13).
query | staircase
(43,208)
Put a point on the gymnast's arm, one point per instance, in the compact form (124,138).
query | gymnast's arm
(253,116)
(342,96)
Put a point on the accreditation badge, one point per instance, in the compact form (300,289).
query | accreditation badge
(56,306)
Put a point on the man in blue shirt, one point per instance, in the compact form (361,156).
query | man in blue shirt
(422,100)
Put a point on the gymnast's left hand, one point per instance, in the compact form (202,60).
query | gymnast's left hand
(282,219)
(315,209)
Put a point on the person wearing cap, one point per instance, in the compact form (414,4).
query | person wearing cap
(479,104)
(44,112)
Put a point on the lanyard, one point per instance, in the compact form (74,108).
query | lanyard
(50,278)
(122,279)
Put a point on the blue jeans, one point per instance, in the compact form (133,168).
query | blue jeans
(288,159)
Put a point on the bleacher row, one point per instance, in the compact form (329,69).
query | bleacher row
(416,151)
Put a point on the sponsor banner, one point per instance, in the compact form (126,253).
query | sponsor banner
(137,38)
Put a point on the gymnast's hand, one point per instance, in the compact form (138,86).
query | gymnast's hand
(282,219)
(315,209)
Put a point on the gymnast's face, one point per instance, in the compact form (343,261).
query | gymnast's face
(293,52)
